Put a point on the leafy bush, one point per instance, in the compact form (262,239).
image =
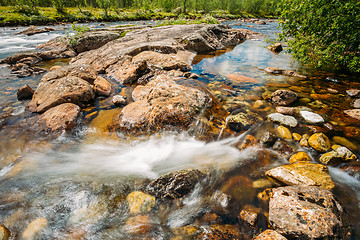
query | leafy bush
(323,33)
(73,39)
(26,10)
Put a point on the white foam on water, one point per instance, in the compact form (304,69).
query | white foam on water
(148,158)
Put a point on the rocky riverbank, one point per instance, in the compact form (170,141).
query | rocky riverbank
(289,182)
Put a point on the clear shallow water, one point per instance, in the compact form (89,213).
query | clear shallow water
(79,182)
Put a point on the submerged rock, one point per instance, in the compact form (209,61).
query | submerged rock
(311,117)
(140,202)
(320,142)
(300,212)
(283,97)
(34,30)
(218,232)
(284,132)
(339,155)
(299,157)
(303,173)
(5,234)
(353,92)
(354,113)
(176,184)
(283,119)
(270,235)
(138,225)
(34,228)
(290,73)
(243,121)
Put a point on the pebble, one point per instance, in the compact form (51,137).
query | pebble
(311,117)
(353,92)
(33,228)
(320,142)
(296,136)
(284,132)
(299,157)
(283,119)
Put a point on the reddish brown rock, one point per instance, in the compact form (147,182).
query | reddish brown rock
(63,90)
(241,79)
(283,148)
(307,213)
(34,30)
(102,87)
(61,117)
(218,232)
(162,103)
(277,47)
(286,110)
(249,141)
(270,235)
(84,72)
(239,188)
(5,234)
(353,113)
(25,92)
(283,97)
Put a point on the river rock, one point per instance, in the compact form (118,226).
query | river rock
(249,141)
(5,234)
(270,235)
(311,117)
(241,79)
(304,140)
(243,121)
(283,97)
(296,136)
(53,68)
(162,103)
(345,142)
(267,138)
(277,47)
(25,92)
(82,71)
(300,212)
(94,39)
(353,92)
(320,142)
(356,103)
(51,93)
(176,184)
(33,228)
(140,202)
(286,110)
(284,132)
(138,225)
(128,71)
(339,155)
(283,119)
(218,232)
(165,40)
(302,173)
(119,101)
(34,30)
(283,148)
(273,70)
(88,214)
(102,87)
(299,157)
(354,113)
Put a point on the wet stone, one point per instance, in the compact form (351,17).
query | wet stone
(277,47)
(339,155)
(267,138)
(218,232)
(243,121)
(299,157)
(300,212)
(302,173)
(284,132)
(138,225)
(356,103)
(320,142)
(140,202)
(33,228)
(119,100)
(283,97)
(353,113)
(176,184)
(353,92)
(270,235)
(311,117)
(25,92)
(304,140)
(283,119)
(344,142)
(249,141)
(283,147)
(286,110)
(4,233)
(296,136)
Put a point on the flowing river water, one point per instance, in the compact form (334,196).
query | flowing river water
(79,181)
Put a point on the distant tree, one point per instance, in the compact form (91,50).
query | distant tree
(105,5)
(323,33)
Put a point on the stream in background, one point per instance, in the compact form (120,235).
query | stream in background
(79,182)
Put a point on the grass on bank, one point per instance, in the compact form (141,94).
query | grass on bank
(14,16)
